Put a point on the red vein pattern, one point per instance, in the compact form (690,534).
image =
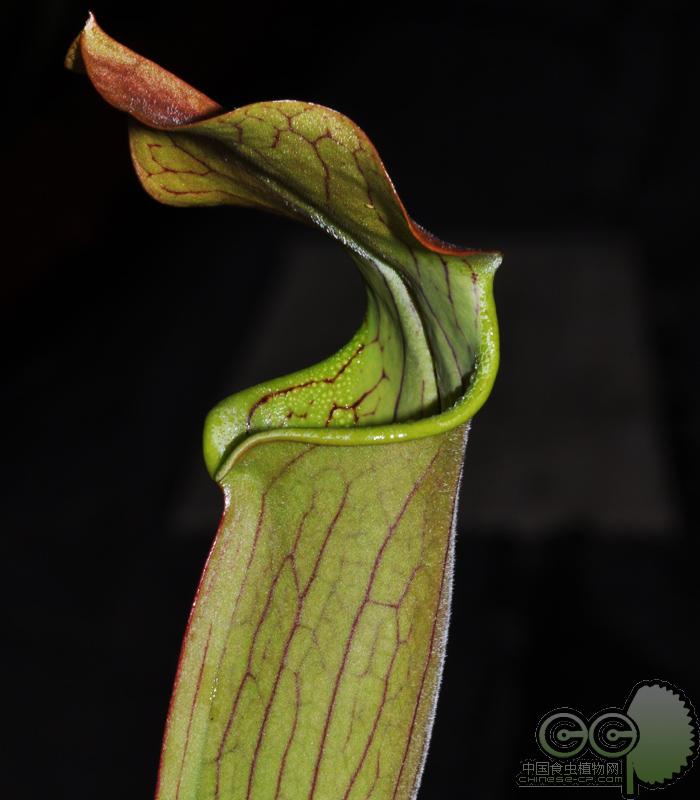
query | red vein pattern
(313,652)
(332,643)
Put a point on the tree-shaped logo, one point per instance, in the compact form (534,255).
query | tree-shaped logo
(668,736)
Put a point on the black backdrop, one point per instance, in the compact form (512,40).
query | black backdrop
(559,133)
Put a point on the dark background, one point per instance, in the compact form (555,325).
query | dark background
(559,133)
